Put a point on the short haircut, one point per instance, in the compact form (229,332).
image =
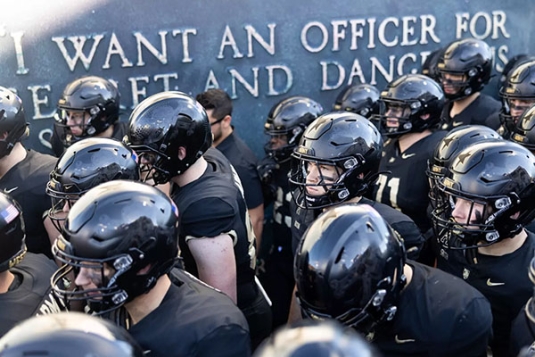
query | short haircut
(216,99)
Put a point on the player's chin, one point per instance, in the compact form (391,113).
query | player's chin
(313,191)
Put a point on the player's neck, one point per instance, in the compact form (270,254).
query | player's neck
(407,271)
(461,104)
(225,133)
(17,155)
(106,133)
(194,172)
(144,304)
(6,279)
(407,140)
(506,246)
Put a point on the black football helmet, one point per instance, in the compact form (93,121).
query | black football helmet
(470,58)
(495,181)
(289,117)
(406,100)
(84,165)
(12,121)
(347,141)
(523,132)
(68,334)
(456,140)
(430,65)
(94,95)
(511,64)
(115,230)
(362,99)
(313,338)
(349,267)
(12,233)
(520,85)
(163,123)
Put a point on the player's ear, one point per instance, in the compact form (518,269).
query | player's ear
(181,152)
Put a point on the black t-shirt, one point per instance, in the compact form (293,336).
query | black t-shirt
(58,135)
(213,205)
(476,113)
(504,282)
(32,296)
(193,319)
(438,315)
(406,187)
(244,162)
(26,183)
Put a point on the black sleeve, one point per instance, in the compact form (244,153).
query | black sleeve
(209,217)
(230,340)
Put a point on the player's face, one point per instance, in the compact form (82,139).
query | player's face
(519,106)
(451,83)
(393,113)
(468,212)
(278,141)
(76,120)
(91,275)
(320,178)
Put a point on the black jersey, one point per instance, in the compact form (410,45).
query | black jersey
(413,239)
(244,162)
(26,183)
(30,294)
(301,219)
(59,133)
(213,205)
(193,319)
(502,279)
(403,183)
(476,113)
(438,315)
(494,121)
(282,216)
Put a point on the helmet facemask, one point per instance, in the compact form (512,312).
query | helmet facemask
(463,83)
(103,273)
(282,142)
(400,117)
(485,220)
(331,187)
(88,121)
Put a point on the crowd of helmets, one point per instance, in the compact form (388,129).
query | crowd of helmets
(446,269)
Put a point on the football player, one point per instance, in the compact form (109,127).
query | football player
(171,133)
(464,70)
(484,202)
(88,107)
(351,266)
(121,241)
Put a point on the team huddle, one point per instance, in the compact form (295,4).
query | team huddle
(400,223)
